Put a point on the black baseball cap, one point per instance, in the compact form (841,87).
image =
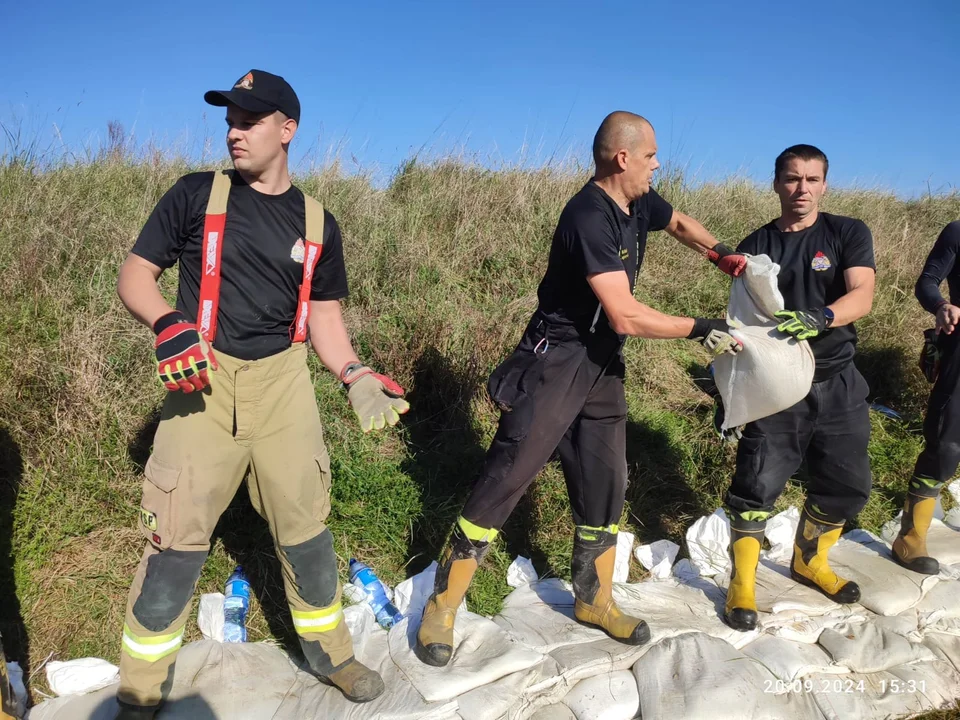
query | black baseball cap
(259,92)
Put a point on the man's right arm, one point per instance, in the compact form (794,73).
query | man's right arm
(139,292)
(627,316)
(939,264)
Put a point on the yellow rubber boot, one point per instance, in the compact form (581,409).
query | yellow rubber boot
(594,552)
(465,551)
(910,547)
(746,536)
(815,537)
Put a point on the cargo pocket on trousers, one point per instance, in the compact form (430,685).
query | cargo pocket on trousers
(511,388)
(157,508)
(321,498)
(751,453)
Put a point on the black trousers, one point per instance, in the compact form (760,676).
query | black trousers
(831,428)
(559,390)
(941,426)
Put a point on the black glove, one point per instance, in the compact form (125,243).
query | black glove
(730,435)
(930,356)
(713,335)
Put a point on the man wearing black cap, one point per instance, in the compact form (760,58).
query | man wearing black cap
(261,273)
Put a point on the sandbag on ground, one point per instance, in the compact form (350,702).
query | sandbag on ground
(869,647)
(898,692)
(800,627)
(777,592)
(482,653)
(939,610)
(212,682)
(789,660)
(540,615)
(605,697)
(943,543)
(511,696)
(557,711)
(885,587)
(945,647)
(698,677)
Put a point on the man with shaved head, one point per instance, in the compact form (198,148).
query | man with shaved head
(562,388)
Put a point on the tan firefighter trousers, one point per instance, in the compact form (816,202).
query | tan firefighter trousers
(258,416)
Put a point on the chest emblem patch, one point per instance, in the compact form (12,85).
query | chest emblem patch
(296,252)
(820,262)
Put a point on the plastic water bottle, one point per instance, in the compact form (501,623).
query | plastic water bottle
(236,602)
(362,576)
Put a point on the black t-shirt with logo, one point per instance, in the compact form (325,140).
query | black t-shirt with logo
(812,262)
(261,265)
(594,235)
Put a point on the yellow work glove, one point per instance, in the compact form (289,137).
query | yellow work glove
(376,399)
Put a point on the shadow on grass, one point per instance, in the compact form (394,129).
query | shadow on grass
(445,450)
(13,631)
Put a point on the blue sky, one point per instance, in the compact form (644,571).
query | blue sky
(726,84)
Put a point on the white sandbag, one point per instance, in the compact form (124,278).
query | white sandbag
(521,572)
(900,692)
(210,616)
(698,677)
(945,647)
(777,592)
(512,696)
(15,675)
(482,653)
(952,518)
(557,711)
(869,647)
(540,615)
(708,542)
(939,610)
(621,562)
(657,557)
(83,675)
(780,531)
(789,660)
(686,571)
(605,697)
(886,588)
(943,543)
(800,627)
(772,372)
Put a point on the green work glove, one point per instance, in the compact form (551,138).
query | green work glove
(803,324)
(376,399)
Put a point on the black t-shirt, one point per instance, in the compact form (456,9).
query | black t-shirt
(594,235)
(261,265)
(941,263)
(812,262)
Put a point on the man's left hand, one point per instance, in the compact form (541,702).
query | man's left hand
(727,260)
(802,324)
(376,399)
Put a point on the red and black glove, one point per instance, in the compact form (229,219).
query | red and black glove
(182,362)
(727,260)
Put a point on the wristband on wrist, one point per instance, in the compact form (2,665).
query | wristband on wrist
(168,320)
(828,317)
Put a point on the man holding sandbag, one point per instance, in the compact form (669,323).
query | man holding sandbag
(826,278)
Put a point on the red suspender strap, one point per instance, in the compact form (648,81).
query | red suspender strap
(313,247)
(213,225)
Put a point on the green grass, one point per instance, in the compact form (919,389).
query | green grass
(443,266)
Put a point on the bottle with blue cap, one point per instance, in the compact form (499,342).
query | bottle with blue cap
(236,602)
(363,577)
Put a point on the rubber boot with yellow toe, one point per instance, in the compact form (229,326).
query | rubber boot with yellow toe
(910,547)
(594,551)
(746,536)
(465,551)
(815,536)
